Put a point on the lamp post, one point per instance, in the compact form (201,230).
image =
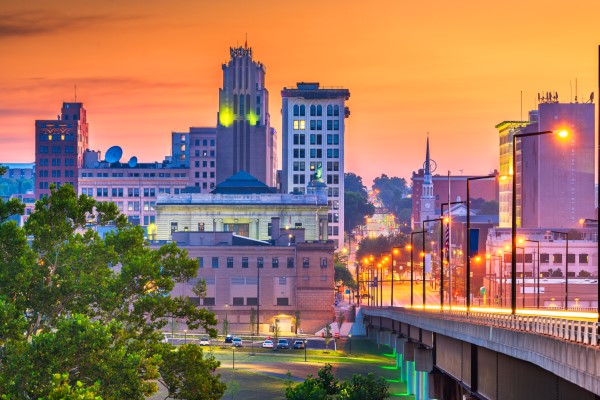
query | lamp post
(305,346)
(538,271)
(226,322)
(468,247)
(349,342)
(412,266)
(423,233)
(185,336)
(513,261)
(566,267)
(447,220)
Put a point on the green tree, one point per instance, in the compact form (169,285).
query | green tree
(117,281)
(354,183)
(343,276)
(61,389)
(188,374)
(356,208)
(327,335)
(391,191)
(364,387)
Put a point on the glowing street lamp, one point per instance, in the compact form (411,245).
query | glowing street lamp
(513,261)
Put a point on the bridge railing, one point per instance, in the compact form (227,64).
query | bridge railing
(578,331)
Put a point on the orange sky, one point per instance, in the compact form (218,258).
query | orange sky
(144,68)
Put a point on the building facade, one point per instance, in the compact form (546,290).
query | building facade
(197,150)
(59,148)
(554,176)
(276,281)
(245,139)
(313,138)
(134,189)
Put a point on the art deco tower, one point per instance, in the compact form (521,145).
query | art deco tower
(245,139)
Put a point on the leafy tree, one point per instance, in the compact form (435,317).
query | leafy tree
(391,191)
(356,208)
(326,386)
(61,389)
(327,335)
(354,183)
(117,281)
(485,207)
(188,374)
(344,276)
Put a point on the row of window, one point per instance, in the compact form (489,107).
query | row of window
(131,192)
(205,174)
(332,179)
(46,185)
(57,137)
(316,138)
(244,262)
(57,149)
(316,110)
(56,173)
(316,125)
(237,301)
(546,258)
(301,165)
(316,153)
(204,164)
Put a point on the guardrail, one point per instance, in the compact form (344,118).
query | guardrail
(577,331)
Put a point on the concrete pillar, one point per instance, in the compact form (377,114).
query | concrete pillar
(423,359)
(418,385)
(410,383)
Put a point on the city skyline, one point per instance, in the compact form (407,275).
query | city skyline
(145,72)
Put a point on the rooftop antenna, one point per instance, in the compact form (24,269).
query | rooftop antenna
(246,43)
(75,93)
(575,90)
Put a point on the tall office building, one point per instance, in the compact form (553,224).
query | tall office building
(59,147)
(245,139)
(196,150)
(313,138)
(554,176)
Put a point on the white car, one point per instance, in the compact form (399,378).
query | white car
(267,344)
(204,341)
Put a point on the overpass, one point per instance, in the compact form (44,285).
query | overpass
(455,354)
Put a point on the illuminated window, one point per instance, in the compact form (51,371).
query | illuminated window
(296,124)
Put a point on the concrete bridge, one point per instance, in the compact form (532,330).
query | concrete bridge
(483,355)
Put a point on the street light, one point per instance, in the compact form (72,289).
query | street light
(349,341)
(185,336)
(305,346)
(538,270)
(447,221)
(566,268)
(513,261)
(468,247)
(423,233)
(412,266)
(395,250)
(226,322)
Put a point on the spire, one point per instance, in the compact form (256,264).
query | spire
(427,159)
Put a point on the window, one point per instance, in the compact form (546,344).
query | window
(215,262)
(200,262)
(296,110)
(200,226)
(319,111)
(313,111)
(299,153)
(544,258)
(209,301)
(260,262)
(305,262)
(299,139)
(323,262)
(238,301)
(336,125)
(229,262)
(282,280)
(336,111)
(313,125)
(583,259)
(244,262)
(275,262)
(302,111)
(282,301)
(290,262)
(329,110)
(251,301)
(557,258)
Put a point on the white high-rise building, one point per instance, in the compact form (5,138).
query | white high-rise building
(313,138)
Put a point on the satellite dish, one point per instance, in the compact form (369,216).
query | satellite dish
(113,154)
(132,161)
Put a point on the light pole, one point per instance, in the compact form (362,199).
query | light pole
(566,267)
(305,346)
(447,251)
(513,261)
(468,247)
(185,336)
(226,322)
(423,233)
(349,342)
(538,270)
(412,266)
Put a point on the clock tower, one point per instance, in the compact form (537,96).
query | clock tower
(427,210)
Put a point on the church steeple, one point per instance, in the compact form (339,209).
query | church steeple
(427,209)
(427,159)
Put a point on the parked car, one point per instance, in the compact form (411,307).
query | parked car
(204,341)
(298,344)
(267,344)
(237,342)
(283,344)
(229,339)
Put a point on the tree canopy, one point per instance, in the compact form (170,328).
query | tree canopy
(392,193)
(354,183)
(87,306)
(356,208)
